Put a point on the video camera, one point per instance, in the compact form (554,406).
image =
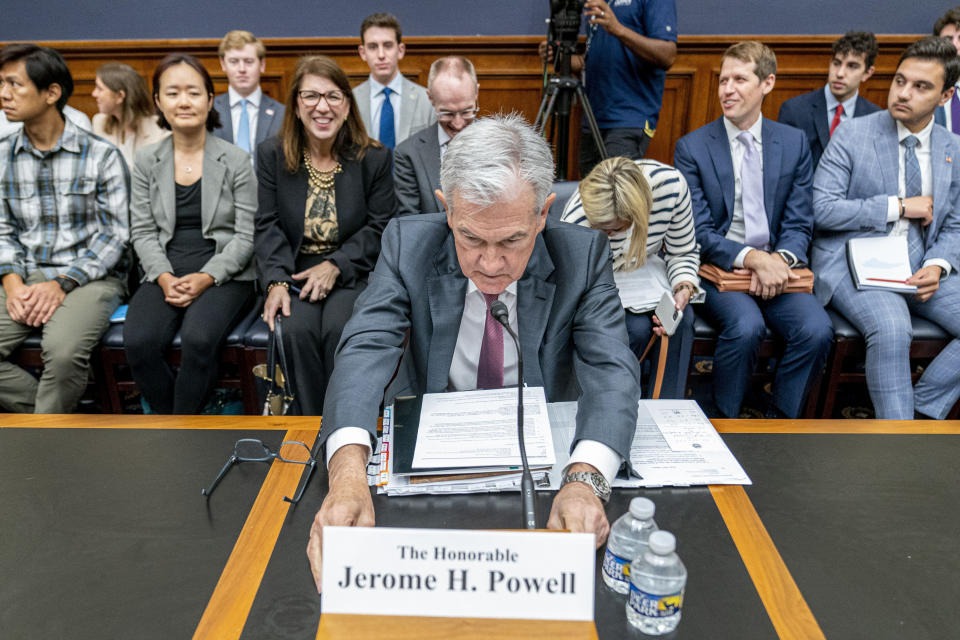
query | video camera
(563,32)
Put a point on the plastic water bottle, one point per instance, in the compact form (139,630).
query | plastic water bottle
(657,581)
(628,539)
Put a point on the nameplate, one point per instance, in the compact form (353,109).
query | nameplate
(454,573)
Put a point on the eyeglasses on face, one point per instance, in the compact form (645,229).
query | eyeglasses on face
(310,99)
(253,450)
(466,114)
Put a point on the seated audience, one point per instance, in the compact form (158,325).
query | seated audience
(326,193)
(821,111)
(453,89)
(436,279)
(248,116)
(896,173)
(61,249)
(750,181)
(126,116)
(644,207)
(948,26)
(191,223)
(391,106)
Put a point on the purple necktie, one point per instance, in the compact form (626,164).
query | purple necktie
(955,113)
(756,228)
(490,367)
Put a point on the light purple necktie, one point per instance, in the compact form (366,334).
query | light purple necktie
(490,367)
(756,229)
(955,112)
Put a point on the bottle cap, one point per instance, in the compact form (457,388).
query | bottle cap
(642,508)
(662,542)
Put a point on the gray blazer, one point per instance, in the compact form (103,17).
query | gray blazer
(269,120)
(858,173)
(228,204)
(416,172)
(416,112)
(572,332)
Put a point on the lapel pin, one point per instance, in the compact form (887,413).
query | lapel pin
(270,113)
(949,159)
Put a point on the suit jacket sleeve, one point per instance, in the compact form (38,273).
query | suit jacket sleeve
(832,209)
(144,230)
(357,255)
(236,253)
(370,345)
(273,251)
(788,114)
(796,219)
(606,369)
(405,183)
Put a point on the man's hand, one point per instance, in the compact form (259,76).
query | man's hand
(599,12)
(320,280)
(16,290)
(43,298)
(577,508)
(770,273)
(348,502)
(919,208)
(927,281)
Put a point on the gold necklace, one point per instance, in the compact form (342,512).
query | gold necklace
(322,179)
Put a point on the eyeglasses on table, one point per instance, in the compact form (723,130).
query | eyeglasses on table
(253,450)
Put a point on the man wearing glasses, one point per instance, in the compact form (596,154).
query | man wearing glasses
(452,87)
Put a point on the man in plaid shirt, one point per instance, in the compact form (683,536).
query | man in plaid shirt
(63,232)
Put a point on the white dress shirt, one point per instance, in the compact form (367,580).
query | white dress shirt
(902,225)
(463,377)
(376,103)
(849,106)
(253,111)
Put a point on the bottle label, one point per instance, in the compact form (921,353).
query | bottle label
(655,606)
(615,567)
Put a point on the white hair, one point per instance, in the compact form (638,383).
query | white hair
(487,158)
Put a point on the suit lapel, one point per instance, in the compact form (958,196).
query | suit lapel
(265,116)
(446,289)
(430,153)
(886,145)
(362,95)
(719,149)
(772,159)
(165,186)
(940,162)
(534,304)
(226,118)
(407,103)
(820,119)
(213,175)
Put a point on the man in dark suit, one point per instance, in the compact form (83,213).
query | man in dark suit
(435,280)
(248,117)
(453,90)
(820,112)
(948,26)
(749,180)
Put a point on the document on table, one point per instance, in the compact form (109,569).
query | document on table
(473,429)
(641,289)
(674,445)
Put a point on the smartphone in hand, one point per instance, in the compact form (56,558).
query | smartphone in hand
(668,314)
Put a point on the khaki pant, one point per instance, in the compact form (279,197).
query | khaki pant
(67,342)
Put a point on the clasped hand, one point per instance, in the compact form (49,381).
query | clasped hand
(181,292)
(34,305)
(769,273)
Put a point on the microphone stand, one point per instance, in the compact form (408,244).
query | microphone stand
(499,312)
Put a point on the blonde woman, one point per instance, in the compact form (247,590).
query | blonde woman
(644,208)
(126,114)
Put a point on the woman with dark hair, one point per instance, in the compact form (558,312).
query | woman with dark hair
(191,211)
(126,115)
(326,193)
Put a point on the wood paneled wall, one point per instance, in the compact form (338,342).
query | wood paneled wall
(510,72)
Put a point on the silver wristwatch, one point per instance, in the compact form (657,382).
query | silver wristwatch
(595,479)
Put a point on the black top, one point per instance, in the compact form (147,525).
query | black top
(188,250)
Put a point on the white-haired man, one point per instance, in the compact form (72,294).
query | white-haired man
(437,276)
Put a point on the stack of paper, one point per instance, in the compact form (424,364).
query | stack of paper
(880,263)
(641,289)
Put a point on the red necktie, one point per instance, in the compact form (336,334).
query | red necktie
(490,367)
(836,119)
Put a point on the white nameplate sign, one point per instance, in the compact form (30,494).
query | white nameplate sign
(458,574)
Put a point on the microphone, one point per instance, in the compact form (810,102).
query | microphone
(499,312)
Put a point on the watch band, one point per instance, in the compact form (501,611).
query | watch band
(594,479)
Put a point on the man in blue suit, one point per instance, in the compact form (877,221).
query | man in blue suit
(896,173)
(820,112)
(749,180)
(948,26)
(435,280)
(247,115)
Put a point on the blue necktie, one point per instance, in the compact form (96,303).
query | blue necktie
(913,186)
(387,136)
(243,130)
(756,229)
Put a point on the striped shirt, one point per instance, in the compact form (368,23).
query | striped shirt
(670,227)
(64,211)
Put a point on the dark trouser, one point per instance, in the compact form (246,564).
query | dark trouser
(310,337)
(150,327)
(639,330)
(742,320)
(629,143)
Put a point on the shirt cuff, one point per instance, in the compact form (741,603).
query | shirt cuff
(606,460)
(738,261)
(347,435)
(943,264)
(893,209)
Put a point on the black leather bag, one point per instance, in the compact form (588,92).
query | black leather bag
(272,378)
